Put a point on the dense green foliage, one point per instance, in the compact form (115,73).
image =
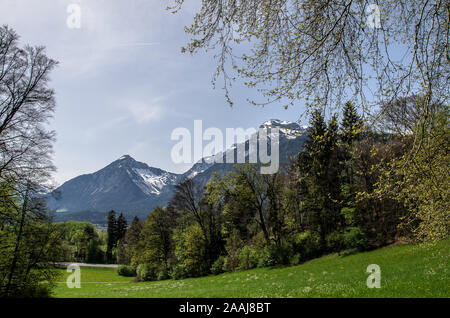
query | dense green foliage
(29,244)
(406,271)
(129,244)
(421,177)
(82,242)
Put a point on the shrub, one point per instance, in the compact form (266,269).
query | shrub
(218,266)
(231,262)
(146,272)
(334,242)
(307,244)
(125,270)
(178,272)
(233,245)
(248,258)
(295,259)
(281,253)
(268,256)
(226,264)
(354,237)
(273,254)
(163,274)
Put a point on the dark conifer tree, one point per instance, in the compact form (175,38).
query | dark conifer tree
(128,246)
(332,180)
(121,228)
(133,232)
(112,235)
(350,133)
(351,125)
(319,171)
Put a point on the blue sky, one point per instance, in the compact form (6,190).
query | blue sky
(123,85)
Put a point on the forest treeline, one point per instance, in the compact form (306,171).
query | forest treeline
(83,242)
(350,189)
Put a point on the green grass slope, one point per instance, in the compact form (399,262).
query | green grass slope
(406,271)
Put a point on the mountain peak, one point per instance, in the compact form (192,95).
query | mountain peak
(126,157)
(126,160)
(280,124)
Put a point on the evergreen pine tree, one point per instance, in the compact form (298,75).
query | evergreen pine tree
(134,230)
(350,132)
(128,245)
(112,235)
(319,171)
(121,228)
(351,125)
(332,183)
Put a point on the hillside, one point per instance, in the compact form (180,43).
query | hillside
(406,271)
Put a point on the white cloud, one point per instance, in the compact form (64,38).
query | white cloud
(142,112)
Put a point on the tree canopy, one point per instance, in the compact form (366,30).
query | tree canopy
(326,52)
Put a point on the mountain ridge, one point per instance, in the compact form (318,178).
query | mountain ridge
(134,188)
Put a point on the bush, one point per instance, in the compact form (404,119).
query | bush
(273,254)
(226,264)
(354,238)
(248,258)
(231,262)
(163,274)
(178,272)
(307,244)
(218,266)
(295,259)
(127,271)
(146,272)
(269,256)
(334,242)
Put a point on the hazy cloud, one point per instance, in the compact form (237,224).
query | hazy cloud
(144,113)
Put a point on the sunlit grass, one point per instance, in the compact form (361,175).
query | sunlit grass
(406,271)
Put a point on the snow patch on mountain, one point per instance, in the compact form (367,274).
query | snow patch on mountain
(199,167)
(151,183)
(288,130)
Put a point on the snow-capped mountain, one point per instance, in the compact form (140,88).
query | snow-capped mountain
(124,185)
(134,188)
(289,130)
(291,139)
(149,180)
(200,166)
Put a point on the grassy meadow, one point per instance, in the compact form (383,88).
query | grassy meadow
(406,271)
